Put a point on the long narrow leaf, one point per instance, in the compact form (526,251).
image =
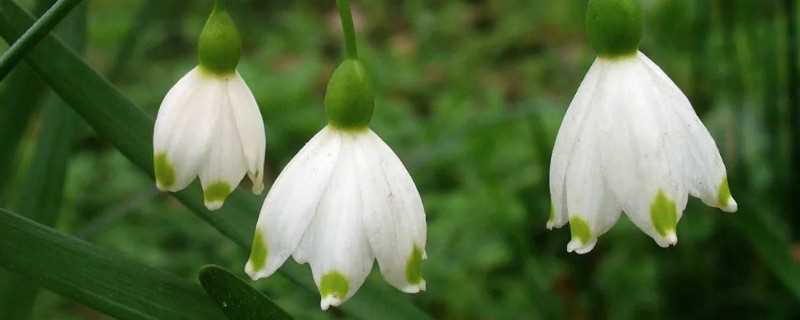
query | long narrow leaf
(20,97)
(40,194)
(32,36)
(118,120)
(236,298)
(108,282)
(19,100)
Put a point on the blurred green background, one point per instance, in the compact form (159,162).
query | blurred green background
(470,95)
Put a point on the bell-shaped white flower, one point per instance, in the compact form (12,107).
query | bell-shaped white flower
(343,200)
(209,124)
(631,142)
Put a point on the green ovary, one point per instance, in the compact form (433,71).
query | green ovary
(334,284)
(349,102)
(220,45)
(664,214)
(217,192)
(580,230)
(724,193)
(414,266)
(615,27)
(258,251)
(165,172)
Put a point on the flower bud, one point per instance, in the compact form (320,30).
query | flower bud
(349,102)
(219,46)
(614,26)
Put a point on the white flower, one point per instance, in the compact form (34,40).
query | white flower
(344,200)
(209,125)
(631,142)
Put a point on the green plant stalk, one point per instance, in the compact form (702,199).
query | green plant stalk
(130,130)
(36,33)
(108,282)
(40,195)
(348,29)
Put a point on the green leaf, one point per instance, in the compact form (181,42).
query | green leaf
(39,196)
(32,36)
(19,100)
(236,298)
(111,283)
(118,120)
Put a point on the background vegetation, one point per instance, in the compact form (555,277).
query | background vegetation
(470,96)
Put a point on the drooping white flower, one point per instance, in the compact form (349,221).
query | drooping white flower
(344,200)
(209,124)
(631,142)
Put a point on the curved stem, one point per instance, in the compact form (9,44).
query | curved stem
(347,28)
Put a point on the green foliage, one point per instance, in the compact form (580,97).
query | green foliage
(470,95)
(236,298)
(103,280)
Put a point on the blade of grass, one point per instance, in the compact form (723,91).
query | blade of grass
(119,286)
(36,33)
(118,120)
(19,100)
(236,298)
(39,197)
(20,97)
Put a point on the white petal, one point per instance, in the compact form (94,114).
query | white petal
(705,170)
(184,125)
(292,202)
(591,206)
(571,128)
(640,164)
(394,217)
(250,127)
(341,258)
(225,165)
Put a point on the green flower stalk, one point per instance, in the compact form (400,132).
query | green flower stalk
(345,199)
(209,124)
(349,101)
(630,142)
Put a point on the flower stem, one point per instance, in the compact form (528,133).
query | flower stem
(348,29)
(219,5)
